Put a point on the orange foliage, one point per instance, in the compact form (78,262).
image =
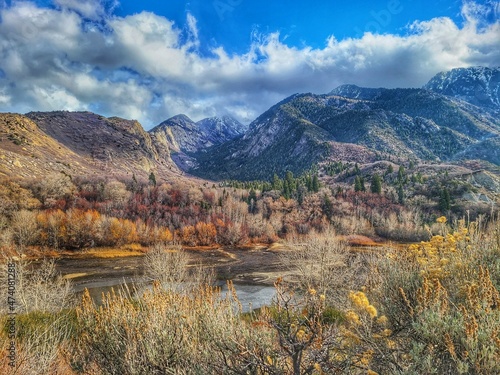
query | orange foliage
(53,228)
(188,235)
(206,233)
(121,231)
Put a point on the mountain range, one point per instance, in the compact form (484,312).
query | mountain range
(454,118)
(364,125)
(84,143)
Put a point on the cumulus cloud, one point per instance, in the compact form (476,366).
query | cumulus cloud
(90,9)
(77,57)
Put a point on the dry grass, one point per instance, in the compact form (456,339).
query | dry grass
(109,252)
(358,240)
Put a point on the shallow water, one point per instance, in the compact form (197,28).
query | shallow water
(101,275)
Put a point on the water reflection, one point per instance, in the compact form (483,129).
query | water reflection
(250,296)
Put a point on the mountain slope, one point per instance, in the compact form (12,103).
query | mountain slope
(181,133)
(81,143)
(184,135)
(477,85)
(305,129)
(259,153)
(218,130)
(27,152)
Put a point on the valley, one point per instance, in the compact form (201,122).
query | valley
(344,221)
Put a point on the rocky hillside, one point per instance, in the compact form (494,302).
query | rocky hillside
(362,125)
(477,85)
(451,120)
(79,143)
(186,136)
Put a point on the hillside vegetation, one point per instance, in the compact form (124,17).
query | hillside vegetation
(429,308)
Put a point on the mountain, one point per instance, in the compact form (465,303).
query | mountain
(181,133)
(363,125)
(186,136)
(477,85)
(356,92)
(84,143)
(79,143)
(218,130)
(351,124)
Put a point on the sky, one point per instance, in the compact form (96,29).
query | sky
(152,59)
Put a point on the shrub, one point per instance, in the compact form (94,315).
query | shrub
(442,299)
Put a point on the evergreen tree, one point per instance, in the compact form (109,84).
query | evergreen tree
(401,174)
(309,183)
(356,169)
(445,200)
(277,183)
(288,185)
(315,183)
(357,184)
(376,185)
(401,194)
(301,193)
(327,207)
(152,179)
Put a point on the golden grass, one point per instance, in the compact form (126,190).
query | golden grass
(71,276)
(109,252)
(276,246)
(358,240)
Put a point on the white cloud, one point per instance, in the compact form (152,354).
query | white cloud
(142,66)
(90,9)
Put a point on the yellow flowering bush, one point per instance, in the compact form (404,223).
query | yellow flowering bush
(442,298)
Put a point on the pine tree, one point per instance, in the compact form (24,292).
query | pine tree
(327,207)
(401,174)
(356,169)
(445,200)
(152,179)
(401,194)
(315,183)
(376,185)
(309,183)
(357,184)
(277,183)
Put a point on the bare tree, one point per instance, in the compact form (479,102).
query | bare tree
(54,186)
(324,263)
(39,287)
(169,266)
(24,228)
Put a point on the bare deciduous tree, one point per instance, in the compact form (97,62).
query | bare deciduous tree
(324,263)
(169,266)
(24,228)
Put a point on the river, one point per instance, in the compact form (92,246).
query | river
(252,272)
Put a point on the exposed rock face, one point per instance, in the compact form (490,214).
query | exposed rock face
(184,135)
(81,143)
(453,119)
(305,129)
(477,85)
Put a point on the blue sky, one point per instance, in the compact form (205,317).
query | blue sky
(232,23)
(152,59)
